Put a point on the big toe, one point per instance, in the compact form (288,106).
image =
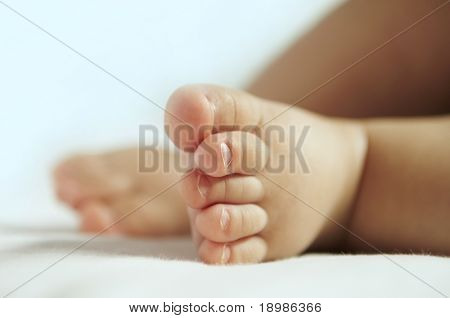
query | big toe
(196,111)
(80,178)
(68,182)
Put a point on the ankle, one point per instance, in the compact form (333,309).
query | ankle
(336,230)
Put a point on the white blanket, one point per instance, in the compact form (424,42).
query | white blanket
(121,267)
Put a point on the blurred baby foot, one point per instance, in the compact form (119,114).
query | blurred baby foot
(105,187)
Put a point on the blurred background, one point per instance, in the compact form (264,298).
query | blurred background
(54,103)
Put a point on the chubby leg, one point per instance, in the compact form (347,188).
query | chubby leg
(409,76)
(404,197)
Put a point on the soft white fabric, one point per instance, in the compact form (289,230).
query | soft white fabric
(53,102)
(120,267)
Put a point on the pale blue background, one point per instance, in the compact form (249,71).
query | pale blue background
(53,102)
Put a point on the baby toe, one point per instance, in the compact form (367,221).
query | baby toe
(226,223)
(68,186)
(199,190)
(196,111)
(245,251)
(97,217)
(232,152)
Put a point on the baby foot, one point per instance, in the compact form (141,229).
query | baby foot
(250,199)
(105,187)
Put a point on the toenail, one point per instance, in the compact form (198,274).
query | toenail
(226,154)
(224,219)
(226,252)
(202,185)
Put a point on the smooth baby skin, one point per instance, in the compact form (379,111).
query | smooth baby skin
(242,215)
(104,187)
